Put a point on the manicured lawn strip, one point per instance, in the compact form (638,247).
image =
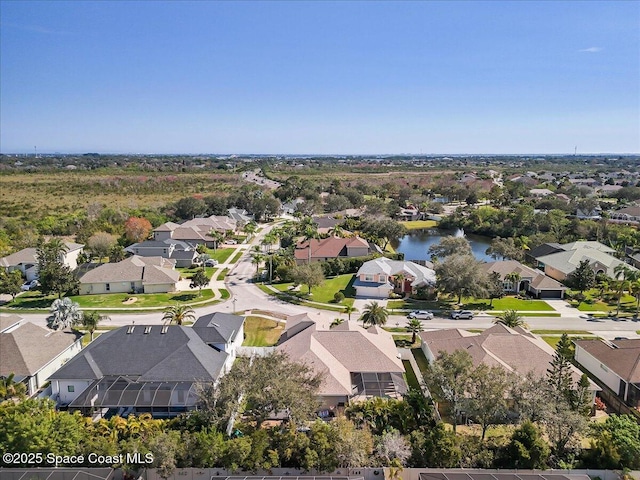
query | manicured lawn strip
(189,272)
(300,300)
(325,292)
(221,254)
(419,224)
(541,314)
(505,303)
(410,375)
(261,332)
(553,341)
(421,360)
(236,256)
(224,293)
(404,341)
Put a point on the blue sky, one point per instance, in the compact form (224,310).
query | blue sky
(320,77)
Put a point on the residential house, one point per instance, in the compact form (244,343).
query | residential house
(560,264)
(181,252)
(319,250)
(533,282)
(195,231)
(33,353)
(540,192)
(291,207)
(240,215)
(26,260)
(325,223)
(357,364)
(222,331)
(626,215)
(615,363)
(132,275)
(484,474)
(377,278)
(514,349)
(589,214)
(147,369)
(409,214)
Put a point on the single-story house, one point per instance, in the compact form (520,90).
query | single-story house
(26,260)
(514,349)
(379,277)
(319,250)
(615,363)
(325,223)
(146,369)
(409,214)
(357,364)
(240,215)
(182,253)
(560,265)
(534,282)
(626,215)
(32,353)
(132,275)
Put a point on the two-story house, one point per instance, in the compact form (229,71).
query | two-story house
(379,277)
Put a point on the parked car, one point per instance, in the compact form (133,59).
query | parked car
(26,286)
(421,314)
(462,314)
(230,242)
(210,263)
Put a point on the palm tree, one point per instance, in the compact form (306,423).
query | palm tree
(250,228)
(90,321)
(399,282)
(64,314)
(217,238)
(374,314)
(511,319)
(51,251)
(256,258)
(634,289)
(415,326)
(10,388)
(178,314)
(514,278)
(349,309)
(623,274)
(336,322)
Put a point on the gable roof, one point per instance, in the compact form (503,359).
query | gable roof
(7,321)
(567,261)
(218,327)
(30,255)
(537,278)
(149,270)
(620,356)
(178,354)
(27,349)
(340,351)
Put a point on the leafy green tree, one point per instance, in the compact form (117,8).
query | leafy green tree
(374,314)
(461,275)
(511,319)
(188,208)
(9,388)
(91,320)
(310,275)
(65,313)
(349,309)
(486,395)
(616,443)
(505,248)
(178,314)
(582,278)
(10,282)
(199,280)
(50,252)
(414,327)
(57,278)
(449,378)
(117,254)
(495,287)
(527,449)
(448,246)
(435,447)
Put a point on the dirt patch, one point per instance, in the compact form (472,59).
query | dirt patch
(130,300)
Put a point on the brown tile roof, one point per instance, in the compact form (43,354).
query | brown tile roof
(331,247)
(538,279)
(28,348)
(623,357)
(7,321)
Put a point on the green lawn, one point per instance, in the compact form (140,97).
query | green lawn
(189,272)
(505,303)
(421,360)
(325,292)
(553,341)
(404,341)
(419,224)
(115,300)
(261,332)
(568,332)
(410,375)
(221,254)
(237,256)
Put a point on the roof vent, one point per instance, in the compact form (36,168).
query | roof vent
(147,330)
(215,324)
(130,329)
(164,329)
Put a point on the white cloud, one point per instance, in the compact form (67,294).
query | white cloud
(591,50)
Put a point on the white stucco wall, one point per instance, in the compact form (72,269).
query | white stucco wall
(374,292)
(42,376)
(71,258)
(114,287)
(60,391)
(160,288)
(598,369)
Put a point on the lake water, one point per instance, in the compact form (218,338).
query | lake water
(415,245)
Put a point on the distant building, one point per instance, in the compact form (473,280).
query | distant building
(26,260)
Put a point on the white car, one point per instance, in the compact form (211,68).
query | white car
(230,242)
(26,286)
(421,314)
(462,314)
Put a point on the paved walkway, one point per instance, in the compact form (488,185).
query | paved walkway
(563,308)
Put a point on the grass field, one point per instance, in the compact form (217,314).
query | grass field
(419,224)
(188,272)
(421,360)
(410,375)
(325,292)
(553,340)
(261,332)
(505,303)
(221,254)
(34,300)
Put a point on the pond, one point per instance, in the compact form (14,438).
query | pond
(415,245)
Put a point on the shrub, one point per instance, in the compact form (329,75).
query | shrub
(338,297)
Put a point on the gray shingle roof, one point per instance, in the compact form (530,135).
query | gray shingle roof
(179,354)
(28,348)
(422,275)
(151,270)
(218,327)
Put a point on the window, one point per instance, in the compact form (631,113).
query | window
(368,277)
(71,388)
(107,287)
(383,278)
